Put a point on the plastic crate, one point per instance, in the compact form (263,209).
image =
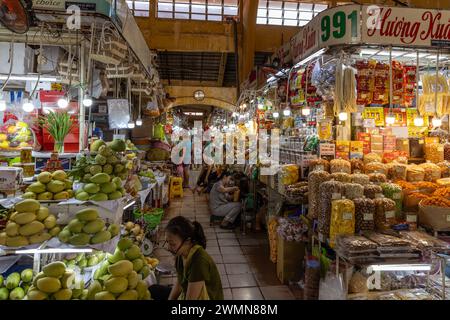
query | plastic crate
(154,218)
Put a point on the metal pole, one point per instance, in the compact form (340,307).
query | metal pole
(390,79)
(417,81)
(436,86)
(82,115)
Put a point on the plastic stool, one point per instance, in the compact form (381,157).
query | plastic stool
(176,187)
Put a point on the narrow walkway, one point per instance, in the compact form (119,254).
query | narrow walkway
(243,261)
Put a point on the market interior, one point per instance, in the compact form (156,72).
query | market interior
(308,142)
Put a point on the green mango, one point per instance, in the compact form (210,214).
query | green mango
(99,197)
(91,188)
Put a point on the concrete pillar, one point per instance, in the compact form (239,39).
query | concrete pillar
(249,13)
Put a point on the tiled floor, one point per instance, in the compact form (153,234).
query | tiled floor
(242,260)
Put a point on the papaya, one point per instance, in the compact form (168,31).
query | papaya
(42,213)
(116,284)
(101,237)
(100,178)
(49,285)
(12,229)
(94,226)
(31,228)
(80,239)
(121,268)
(55,269)
(99,197)
(50,222)
(39,238)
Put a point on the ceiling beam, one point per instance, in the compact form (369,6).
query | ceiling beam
(222,68)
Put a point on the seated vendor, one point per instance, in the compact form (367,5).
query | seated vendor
(221,201)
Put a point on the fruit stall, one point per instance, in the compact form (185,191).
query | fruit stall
(80,209)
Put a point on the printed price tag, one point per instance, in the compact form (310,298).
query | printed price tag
(347,216)
(335,196)
(397,196)
(368,216)
(390,214)
(413,218)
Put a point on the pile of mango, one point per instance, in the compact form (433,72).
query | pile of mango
(101,188)
(50,186)
(121,276)
(29,224)
(88,228)
(55,282)
(83,260)
(103,159)
(16,285)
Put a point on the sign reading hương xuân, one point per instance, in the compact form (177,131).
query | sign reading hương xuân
(405,26)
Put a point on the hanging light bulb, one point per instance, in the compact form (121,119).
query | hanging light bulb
(276,114)
(63,103)
(87,101)
(437,122)
(131,124)
(306,111)
(139,122)
(27,106)
(418,121)
(343,116)
(287,112)
(390,119)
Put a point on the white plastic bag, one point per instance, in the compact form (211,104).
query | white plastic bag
(332,288)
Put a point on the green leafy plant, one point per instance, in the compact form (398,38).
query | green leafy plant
(58,124)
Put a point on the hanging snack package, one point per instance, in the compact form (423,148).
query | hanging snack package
(342,219)
(340,165)
(328,191)
(365,81)
(343,150)
(385,213)
(315,179)
(364,214)
(394,192)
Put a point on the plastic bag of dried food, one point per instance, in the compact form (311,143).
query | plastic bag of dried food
(375,167)
(357,165)
(328,191)
(434,152)
(358,283)
(319,164)
(289,174)
(362,179)
(397,171)
(415,173)
(385,213)
(445,169)
(432,171)
(342,219)
(341,177)
(394,191)
(340,165)
(447,151)
(372,191)
(364,214)
(353,190)
(315,178)
(372,157)
(377,178)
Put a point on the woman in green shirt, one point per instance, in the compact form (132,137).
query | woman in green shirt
(197,274)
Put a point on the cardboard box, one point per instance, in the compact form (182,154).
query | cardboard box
(10,178)
(290,256)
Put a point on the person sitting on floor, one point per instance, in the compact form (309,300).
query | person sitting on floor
(221,201)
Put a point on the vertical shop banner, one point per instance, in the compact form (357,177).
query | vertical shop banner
(405,26)
(339,26)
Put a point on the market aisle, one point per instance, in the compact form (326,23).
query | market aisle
(243,261)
